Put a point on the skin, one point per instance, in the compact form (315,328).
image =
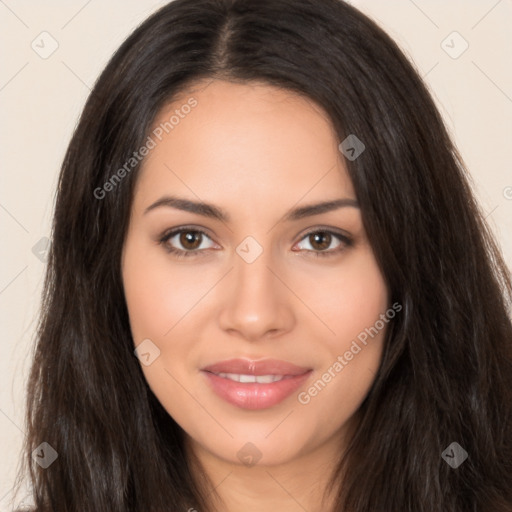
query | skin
(256,151)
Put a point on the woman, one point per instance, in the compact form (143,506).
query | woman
(270,286)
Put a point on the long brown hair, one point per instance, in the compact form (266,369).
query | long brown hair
(446,371)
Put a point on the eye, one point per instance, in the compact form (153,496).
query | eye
(190,240)
(321,240)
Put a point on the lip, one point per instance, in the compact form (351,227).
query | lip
(253,395)
(260,367)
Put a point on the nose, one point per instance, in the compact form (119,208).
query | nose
(256,304)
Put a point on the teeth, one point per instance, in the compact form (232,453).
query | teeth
(260,379)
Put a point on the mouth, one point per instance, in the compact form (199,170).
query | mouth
(254,385)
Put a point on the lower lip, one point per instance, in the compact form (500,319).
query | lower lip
(252,395)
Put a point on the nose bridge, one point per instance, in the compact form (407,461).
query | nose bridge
(256,302)
(252,274)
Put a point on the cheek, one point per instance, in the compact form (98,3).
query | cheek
(158,295)
(351,299)
(158,313)
(352,303)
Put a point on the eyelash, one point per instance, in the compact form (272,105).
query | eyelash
(178,253)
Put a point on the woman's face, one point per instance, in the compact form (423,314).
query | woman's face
(268,280)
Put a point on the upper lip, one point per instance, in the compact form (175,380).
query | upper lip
(251,367)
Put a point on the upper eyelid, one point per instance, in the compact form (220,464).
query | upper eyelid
(335,231)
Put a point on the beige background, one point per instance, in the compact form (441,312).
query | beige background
(40,99)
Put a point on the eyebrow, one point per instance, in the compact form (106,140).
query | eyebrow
(214,212)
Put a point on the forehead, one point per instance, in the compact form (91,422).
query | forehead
(221,140)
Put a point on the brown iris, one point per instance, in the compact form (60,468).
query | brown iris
(320,240)
(190,239)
